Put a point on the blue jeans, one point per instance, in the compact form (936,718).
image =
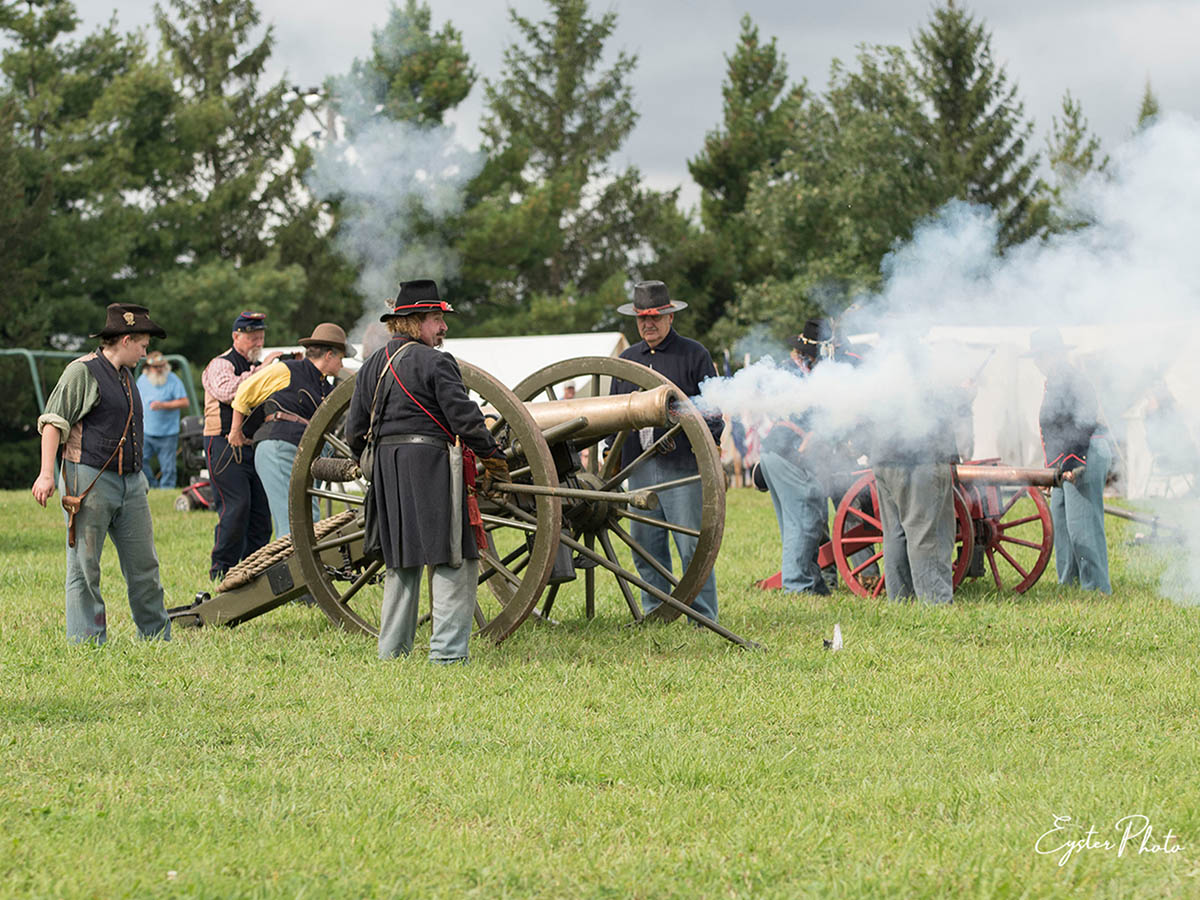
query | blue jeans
(679,506)
(916,506)
(116,507)
(160,447)
(801,510)
(1077,510)
(454,591)
(273,461)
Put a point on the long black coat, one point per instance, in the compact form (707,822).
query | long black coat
(412,481)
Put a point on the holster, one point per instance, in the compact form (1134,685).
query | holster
(72,505)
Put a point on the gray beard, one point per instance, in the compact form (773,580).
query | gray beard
(158,379)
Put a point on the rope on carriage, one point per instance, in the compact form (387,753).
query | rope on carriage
(277,551)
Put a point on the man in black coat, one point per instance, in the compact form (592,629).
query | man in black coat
(412,400)
(686,363)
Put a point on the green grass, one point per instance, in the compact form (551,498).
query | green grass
(281,759)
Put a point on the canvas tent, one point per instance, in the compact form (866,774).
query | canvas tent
(1124,361)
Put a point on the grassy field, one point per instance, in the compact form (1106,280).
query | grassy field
(281,759)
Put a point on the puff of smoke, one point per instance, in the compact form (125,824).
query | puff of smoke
(1134,265)
(390,178)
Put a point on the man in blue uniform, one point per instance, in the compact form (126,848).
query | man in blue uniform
(96,413)
(243,515)
(1076,441)
(686,363)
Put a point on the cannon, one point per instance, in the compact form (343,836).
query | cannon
(563,521)
(1002,528)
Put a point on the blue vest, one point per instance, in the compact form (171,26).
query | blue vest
(301,397)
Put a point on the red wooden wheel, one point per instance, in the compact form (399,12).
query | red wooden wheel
(1014,528)
(857,527)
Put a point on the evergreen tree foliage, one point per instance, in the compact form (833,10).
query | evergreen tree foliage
(1149,109)
(1073,152)
(86,131)
(549,221)
(978,129)
(413,73)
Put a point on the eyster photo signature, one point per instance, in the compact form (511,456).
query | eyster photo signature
(1135,835)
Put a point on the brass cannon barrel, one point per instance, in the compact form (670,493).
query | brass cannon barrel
(607,415)
(1013,475)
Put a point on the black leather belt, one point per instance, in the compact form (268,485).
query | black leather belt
(411,439)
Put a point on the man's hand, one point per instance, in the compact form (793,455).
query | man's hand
(43,488)
(494,469)
(1074,475)
(271,357)
(236,438)
(158,404)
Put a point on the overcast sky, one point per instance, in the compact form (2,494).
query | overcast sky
(1101,50)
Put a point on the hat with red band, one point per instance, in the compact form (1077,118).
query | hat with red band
(415,297)
(651,298)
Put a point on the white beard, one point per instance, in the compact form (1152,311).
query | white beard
(158,379)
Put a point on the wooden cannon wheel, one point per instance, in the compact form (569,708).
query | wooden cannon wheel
(591,525)
(351,594)
(1005,531)
(857,527)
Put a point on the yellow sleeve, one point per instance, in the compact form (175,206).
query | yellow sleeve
(261,385)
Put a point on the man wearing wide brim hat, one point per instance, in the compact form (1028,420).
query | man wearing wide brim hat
(1076,441)
(243,514)
(288,392)
(686,363)
(411,409)
(95,412)
(163,399)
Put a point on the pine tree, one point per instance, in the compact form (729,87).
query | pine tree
(413,73)
(551,225)
(759,119)
(978,128)
(1148,110)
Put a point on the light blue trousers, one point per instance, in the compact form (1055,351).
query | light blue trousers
(1077,510)
(453,611)
(679,506)
(273,461)
(916,505)
(801,510)
(116,507)
(161,448)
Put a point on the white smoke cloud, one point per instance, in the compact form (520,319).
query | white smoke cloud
(1132,277)
(390,175)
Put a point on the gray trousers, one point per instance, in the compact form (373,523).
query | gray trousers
(1077,510)
(453,611)
(117,508)
(916,505)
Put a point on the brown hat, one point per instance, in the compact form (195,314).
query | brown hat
(126,318)
(331,335)
(651,298)
(156,358)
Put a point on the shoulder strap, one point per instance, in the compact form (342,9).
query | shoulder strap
(399,354)
(418,402)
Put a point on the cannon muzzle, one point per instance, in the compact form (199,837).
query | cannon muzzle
(606,415)
(1010,475)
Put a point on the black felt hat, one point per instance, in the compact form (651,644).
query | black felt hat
(415,297)
(126,318)
(816,332)
(651,298)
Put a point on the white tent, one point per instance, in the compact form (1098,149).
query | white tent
(511,359)
(1124,362)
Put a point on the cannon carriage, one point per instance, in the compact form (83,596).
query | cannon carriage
(560,527)
(1003,529)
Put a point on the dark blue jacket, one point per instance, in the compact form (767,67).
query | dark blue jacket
(686,363)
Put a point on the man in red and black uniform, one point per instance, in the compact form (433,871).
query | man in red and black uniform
(243,515)
(96,412)
(411,398)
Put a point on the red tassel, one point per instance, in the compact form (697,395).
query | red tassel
(474,516)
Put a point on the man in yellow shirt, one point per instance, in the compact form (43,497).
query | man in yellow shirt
(289,392)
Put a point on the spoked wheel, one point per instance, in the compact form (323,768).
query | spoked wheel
(596,531)
(858,538)
(1015,532)
(349,588)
